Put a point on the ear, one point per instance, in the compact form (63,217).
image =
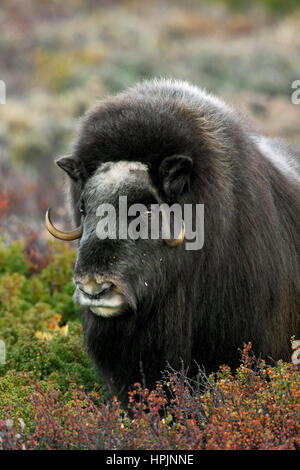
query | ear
(71,166)
(175,175)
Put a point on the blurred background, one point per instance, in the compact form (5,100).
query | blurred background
(58,57)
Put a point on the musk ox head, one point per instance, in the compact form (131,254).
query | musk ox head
(118,260)
(125,248)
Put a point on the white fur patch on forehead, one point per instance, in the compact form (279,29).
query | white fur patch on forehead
(117,173)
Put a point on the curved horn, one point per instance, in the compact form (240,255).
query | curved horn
(176,241)
(67,236)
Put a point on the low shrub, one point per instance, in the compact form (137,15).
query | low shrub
(256,408)
(51,397)
(39,322)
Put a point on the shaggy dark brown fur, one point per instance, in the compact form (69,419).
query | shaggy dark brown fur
(197,305)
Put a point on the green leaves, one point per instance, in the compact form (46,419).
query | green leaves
(39,322)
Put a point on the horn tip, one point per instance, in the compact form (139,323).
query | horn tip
(47,214)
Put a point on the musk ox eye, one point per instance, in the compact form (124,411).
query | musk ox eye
(148,211)
(82,209)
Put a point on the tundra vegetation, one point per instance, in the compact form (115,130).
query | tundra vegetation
(51,398)
(50,395)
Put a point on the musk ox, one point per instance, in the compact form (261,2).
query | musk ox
(149,302)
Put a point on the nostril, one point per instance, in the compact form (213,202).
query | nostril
(105,285)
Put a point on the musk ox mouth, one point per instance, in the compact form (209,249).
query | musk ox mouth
(103,299)
(105,306)
(106,312)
